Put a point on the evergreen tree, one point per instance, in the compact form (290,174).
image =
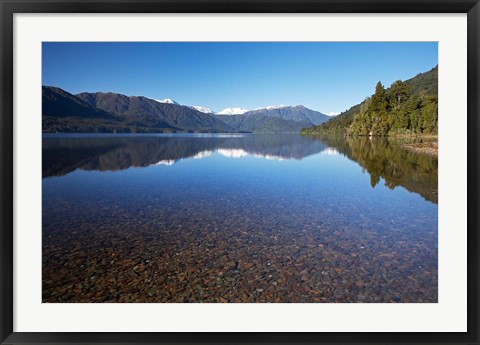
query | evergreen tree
(379,102)
(398,93)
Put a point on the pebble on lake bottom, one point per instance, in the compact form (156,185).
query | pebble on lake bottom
(118,259)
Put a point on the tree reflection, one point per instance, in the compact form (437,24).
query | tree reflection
(380,158)
(385,159)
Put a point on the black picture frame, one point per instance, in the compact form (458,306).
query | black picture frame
(10,7)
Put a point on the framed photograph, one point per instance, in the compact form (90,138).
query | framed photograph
(239,172)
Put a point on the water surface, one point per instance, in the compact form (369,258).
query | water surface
(237,218)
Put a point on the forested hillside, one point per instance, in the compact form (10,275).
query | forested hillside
(405,108)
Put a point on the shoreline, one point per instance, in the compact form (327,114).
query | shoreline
(428,148)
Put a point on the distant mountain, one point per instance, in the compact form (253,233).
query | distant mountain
(274,119)
(420,105)
(278,125)
(232,111)
(113,112)
(147,112)
(260,123)
(271,107)
(167,100)
(297,113)
(64,112)
(59,103)
(202,109)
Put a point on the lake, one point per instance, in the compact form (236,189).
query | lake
(237,218)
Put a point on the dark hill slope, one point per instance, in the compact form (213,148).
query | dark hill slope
(59,103)
(148,112)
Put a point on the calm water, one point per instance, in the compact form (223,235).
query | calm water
(237,218)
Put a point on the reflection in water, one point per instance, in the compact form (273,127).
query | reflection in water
(64,155)
(245,218)
(381,158)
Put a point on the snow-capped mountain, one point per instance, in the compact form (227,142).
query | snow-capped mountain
(271,107)
(202,109)
(168,101)
(232,111)
(333,113)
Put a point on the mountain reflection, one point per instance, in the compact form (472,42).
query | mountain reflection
(380,158)
(62,155)
(384,158)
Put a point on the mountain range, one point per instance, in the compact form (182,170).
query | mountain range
(112,112)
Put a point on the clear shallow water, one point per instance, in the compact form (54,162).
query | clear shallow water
(242,218)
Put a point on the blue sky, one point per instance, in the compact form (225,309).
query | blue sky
(325,76)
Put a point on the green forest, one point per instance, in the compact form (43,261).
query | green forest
(405,108)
